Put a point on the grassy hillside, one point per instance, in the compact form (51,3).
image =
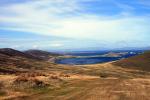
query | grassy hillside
(25,78)
(140,62)
(41,54)
(12,61)
(14,53)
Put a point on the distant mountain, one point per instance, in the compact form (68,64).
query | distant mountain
(115,54)
(41,54)
(12,53)
(140,62)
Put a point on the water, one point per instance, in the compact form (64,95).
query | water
(90,59)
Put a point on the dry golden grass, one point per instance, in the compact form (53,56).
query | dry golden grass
(2,90)
(30,82)
(32,74)
(87,82)
(97,89)
(30,79)
(64,75)
(140,62)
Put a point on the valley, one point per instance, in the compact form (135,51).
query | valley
(27,77)
(74,49)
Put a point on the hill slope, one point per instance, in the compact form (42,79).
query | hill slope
(41,54)
(140,62)
(13,53)
(42,80)
(12,61)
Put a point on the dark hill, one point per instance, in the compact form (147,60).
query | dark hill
(11,52)
(140,62)
(41,54)
(12,61)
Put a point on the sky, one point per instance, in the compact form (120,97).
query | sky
(60,25)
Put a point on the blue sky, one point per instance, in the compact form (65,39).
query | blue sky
(74,24)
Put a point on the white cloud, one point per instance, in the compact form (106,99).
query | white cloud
(35,46)
(56,45)
(64,19)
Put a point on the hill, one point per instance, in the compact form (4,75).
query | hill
(115,54)
(24,78)
(14,53)
(140,62)
(12,61)
(41,54)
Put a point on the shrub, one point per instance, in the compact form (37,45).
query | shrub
(54,77)
(27,82)
(21,79)
(32,74)
(39,83)
(103,75)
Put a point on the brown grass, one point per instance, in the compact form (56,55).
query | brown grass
(41,80)
(54,77)
(64,75)
(2,89)
(30,80)
(140,62)
(103,75)
(32,74)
